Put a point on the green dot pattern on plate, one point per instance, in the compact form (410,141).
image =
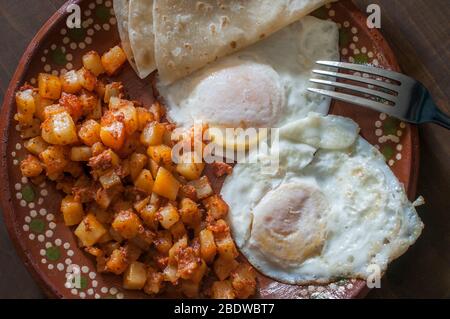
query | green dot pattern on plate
(387,151)
(102,13)
(83,282)
(28,193)
(390,126)
(77,34)
(58,57)
(344,38)
(361,58)
(37,225)
(53,253)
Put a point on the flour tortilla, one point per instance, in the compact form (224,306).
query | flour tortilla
(121,8)
(142,38)
(190,34)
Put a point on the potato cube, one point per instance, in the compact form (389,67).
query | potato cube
(49,86)
(178,230)
(35,145)
(208,246)
(70,82)
(93,63)
(72,104)
(163,241)
(144,117)
(114,89)
(89,132)
(33,129)
(165,184)
(25,106)
(202,187)
(190,171)
(110,179)
(54,159)
(72,210)
(161,154)
(80,153)
(92,106)
(137,163)
(224,266)
(87,79)
(243,280)
(117,262)
(216,206)
(171,274)
(135,276)
(222,290)
(31,166)
(148,215)
(152,134)
(59,129)
(130,119)
(113,135)
(52,110)
(154,281)
(40,104)
(127,224)
(145,181)
(153,166)
(190,214)
(89,231)
(113,59)
(168,216)
(225,246)
(199,272)
(189,288)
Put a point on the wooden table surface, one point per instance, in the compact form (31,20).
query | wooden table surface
(419,32)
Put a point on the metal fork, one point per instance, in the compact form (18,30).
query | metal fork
(408,100)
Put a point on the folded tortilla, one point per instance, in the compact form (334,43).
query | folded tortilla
(190,34)
(142,38)
(121,9)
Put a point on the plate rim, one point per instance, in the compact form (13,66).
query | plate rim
(49,289)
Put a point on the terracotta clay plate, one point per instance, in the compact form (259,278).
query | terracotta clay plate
(31,212)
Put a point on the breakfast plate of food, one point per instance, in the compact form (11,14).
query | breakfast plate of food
(98,206)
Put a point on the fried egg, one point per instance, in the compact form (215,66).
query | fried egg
(264,85)
(332,209)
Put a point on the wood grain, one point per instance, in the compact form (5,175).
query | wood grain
(419,33)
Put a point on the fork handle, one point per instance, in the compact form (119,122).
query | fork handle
(435,115)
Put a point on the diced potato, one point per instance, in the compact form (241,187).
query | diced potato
(190,214)
(190,171)
(59,129)
(137,163)
(170,274)
(144,117)
(98,148)
(144,181)
(202,187)
(54,159)
(89,132)
(199,272)
(114,89)
(176,249)
(117,262)
(87,79)
(89,231)
(103,198)
(70,82)
(154,281)
(140,204)
(49,86)
(225,246)
(157,110)
(35,145)
(80,153)
(130,119)
(127,224)
(216,206)
(224,266)
(93,63)
(168,216)
(25,106)
(31,166)
(148,215)
(208,246)
(222,290)
(135,276)
(113,59)
(33,129)
(165,184)
(163,241)
(92,106)
(72,104)
(161,154)
(113,134)
(178,230)
(110,179)
(243,280)
(72,210)
(189,288)
(152,134)
(153,166)
(41,103)
(100,89)
(52,110)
